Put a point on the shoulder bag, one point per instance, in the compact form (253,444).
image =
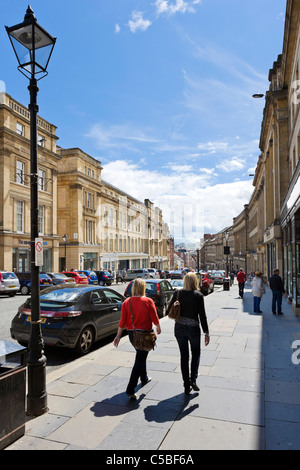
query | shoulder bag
(174,312)
(142,339)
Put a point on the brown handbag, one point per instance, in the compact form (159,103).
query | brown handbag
(142,339)
(174,312)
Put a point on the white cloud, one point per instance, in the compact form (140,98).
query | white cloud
(117,28)
(190,204)
(180,6)
(138,23)
(231,165)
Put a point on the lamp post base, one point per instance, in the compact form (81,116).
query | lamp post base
(37,403)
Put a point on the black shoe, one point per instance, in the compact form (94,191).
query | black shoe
(280,313)
(187,390)
(274,313)
(195,387)
(259,311)
(132,396)
(147,381)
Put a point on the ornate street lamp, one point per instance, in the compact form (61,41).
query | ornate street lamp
(33,47)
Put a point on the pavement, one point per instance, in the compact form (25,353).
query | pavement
(249,397)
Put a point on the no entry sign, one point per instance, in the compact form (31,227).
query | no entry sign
(38,242)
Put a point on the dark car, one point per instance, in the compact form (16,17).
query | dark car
(160,290)
(59,278)
(91,275)
(71,317)
(104,278)
(177,274)
(25,281)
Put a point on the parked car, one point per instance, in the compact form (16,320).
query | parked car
(134,273)
(79,278)
(168,274)
(60,278)
(160,290)
(153,273)
(206,283)
(104,278)
(162,274)
(218,277)
(176,283)
(25,281)
(9,283)
(91,275)
(177,274)
(71,317)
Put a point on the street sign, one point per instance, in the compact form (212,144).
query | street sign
(38,243)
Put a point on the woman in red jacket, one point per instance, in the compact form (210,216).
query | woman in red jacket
(144,314)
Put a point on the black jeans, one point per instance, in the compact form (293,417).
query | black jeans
(139,369)
(241,289)
(188,336)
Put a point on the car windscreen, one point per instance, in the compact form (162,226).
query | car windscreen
(61,295)
(9,276)
(151,288)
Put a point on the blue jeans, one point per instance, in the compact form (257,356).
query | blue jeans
(276,300)
(186,336)
(256,304)
(139,369)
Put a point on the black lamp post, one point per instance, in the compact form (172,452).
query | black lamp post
(33,47)
(65,239)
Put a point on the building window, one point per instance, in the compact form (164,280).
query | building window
(41,220)
(20,172)
(89,231)
(20,216)
(20,129)
(41,180)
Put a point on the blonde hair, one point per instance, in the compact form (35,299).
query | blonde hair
(190,282)
(139,287)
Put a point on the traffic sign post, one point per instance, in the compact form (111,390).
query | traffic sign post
(38,243)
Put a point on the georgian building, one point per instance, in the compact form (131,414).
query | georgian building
(15,223)
(85,222)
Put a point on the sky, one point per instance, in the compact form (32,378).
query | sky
(159,91)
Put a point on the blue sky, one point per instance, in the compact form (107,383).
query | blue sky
(160,91)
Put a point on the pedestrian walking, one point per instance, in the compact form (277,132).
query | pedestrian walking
(144,314)
(258,289)
(277,288)
(241,279)
(187,329)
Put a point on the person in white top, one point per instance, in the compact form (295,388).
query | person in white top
(258,289)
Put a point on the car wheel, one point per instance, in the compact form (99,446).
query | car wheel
(108,283)
(85,341)
(101,283)
(24,290)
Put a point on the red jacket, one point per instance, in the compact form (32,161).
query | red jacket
(241,277)
(144,314)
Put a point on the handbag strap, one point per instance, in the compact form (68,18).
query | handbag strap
(131,313)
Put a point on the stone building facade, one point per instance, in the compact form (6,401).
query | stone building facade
(85,222)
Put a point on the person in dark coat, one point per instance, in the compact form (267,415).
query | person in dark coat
(187,329)
(277,288)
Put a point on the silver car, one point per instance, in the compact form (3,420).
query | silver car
(134,273)
(9,283)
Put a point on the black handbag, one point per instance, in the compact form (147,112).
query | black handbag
(143,340)
(174,312)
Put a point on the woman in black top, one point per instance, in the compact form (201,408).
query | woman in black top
(187,329)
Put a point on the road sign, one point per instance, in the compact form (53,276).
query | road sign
(38,243)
